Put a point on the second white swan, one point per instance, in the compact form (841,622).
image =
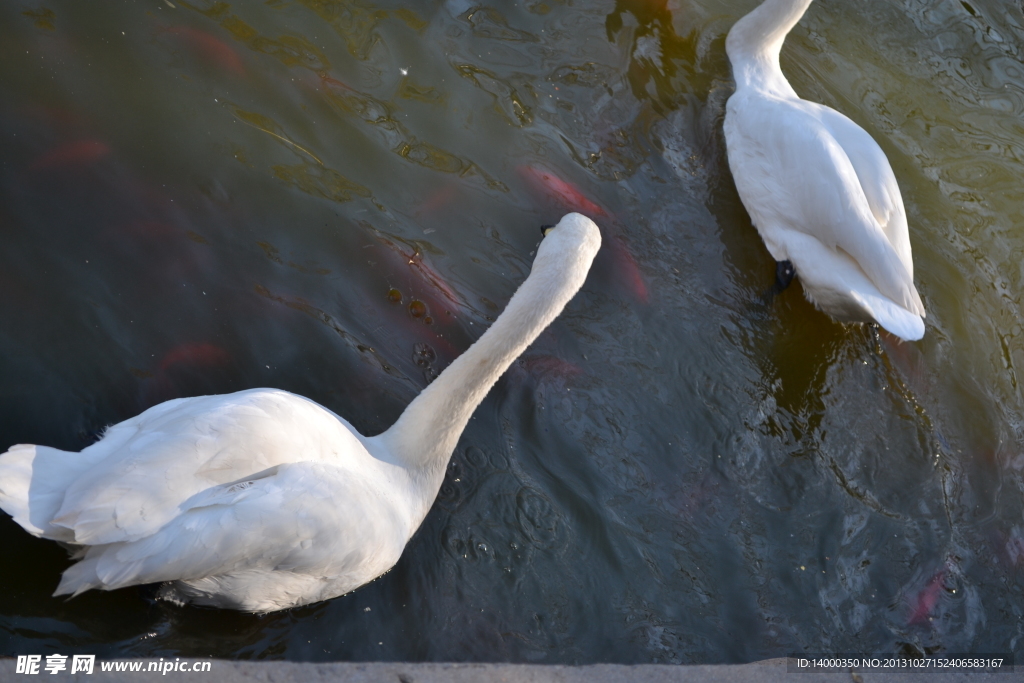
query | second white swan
(263,500)
(818,188)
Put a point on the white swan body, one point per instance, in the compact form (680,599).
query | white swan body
(263,500)
(818,188)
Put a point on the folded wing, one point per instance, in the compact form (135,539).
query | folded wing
(795,173)
(308,518)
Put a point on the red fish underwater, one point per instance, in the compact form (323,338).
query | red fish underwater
(628,271)
(201,354)
(570,197)
(567,194)
(925,602)
(208,48)
(71,154)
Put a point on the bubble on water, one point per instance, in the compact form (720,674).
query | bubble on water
(417,308)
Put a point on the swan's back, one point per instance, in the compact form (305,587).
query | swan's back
(132,481)
(217,491)
(293,534)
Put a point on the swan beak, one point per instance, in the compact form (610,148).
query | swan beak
(545,229)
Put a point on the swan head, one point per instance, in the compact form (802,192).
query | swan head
(575,232)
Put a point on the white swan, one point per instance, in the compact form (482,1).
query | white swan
(263,500)
(818,188)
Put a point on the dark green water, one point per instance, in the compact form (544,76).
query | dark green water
(205,197)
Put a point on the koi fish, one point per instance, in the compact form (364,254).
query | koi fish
(198,354)
(571,198)
(550,367)
(926,600)
(55,117)
(333,82)
(431,276)
(316,81)
(566,193)
(209,48)
(77,153)
(438,200)
(402,256)
(629,271)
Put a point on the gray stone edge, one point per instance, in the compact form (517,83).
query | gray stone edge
(226,671)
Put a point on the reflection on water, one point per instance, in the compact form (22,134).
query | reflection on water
(337,197)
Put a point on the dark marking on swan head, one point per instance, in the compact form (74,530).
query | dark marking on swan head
(545,229)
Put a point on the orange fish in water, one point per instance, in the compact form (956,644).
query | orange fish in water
(549,367)
(333,82)
(438,200)
(420,323)
(571,198)
(198,354)
(178,365)
(432,350)
(208,48)
(926,600)
(57,118)
(429,301)
(431,276)
(566,193)
(629,271)
(317,82)
(402,256)
(77,153)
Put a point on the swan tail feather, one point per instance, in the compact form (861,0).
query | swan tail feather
(79,578)
(33,483)
(101,567)
(899,321)
(883,266)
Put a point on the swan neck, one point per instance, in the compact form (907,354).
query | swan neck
(755,41)
(427,432)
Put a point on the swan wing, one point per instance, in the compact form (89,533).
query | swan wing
(876,179)
(793,174)
(835,283)
(304,518)
(147,467)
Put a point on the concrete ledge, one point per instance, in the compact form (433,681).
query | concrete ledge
(769,671)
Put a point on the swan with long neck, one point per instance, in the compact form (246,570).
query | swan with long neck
(263,500)
(818,188)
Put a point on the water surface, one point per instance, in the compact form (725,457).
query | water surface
(337,197)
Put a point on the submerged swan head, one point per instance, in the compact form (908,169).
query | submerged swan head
(263,500)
